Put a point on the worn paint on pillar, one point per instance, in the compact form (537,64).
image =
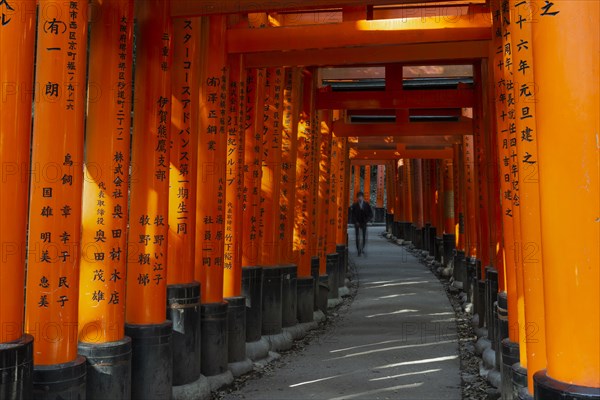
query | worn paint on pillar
(397,191)
(304,231)
(232,241)
(499,86)
(105,189)
(568,126)
(184,144)
(418,193)
(289,146)
(426,182)
(212,155)
(472,238)
(379,195)
(529,190)
(56,189)
(323,180)
(253,139)
(448,176)
(409,188)
(16,78)
(459,196)
(271,164)
(148,214)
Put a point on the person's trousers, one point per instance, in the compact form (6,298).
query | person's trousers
(358,228)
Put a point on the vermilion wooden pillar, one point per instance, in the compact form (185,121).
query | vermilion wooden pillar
(56,189)
(356,171)
(529,190)
(472,238)
(380,186)
(343,193)
(304,231)
(568,122)
(55,194)
(498,83)
(16,78)
(271,164)
(292,103)
(212,155)
(459,197)
(367,183)
(105,198)
(146,295)
(252,166)
(17,40)
(232,242)
(448,176)
(323,179)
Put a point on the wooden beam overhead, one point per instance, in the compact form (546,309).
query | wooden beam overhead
(406,99)
(457,52)
(190,8)
(360,33)
(397,154)
(368,162)
(462,127)
(407,140)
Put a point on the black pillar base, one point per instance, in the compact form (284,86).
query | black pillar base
(426,239)
(214,338)
(519,379)
(459,273)
(418,241)
(323,292)
(396,229)
(272,301)
(510,356)
(546,388)
(389,220)
(379,214)
(236,329)
(333,270)
(448,240)
(491,296)
(60,381)
(183,310)
(16,369)
(432,241)
(306,299)
(343,264)
(438,249)
(315,265)
(252,288)
(471,279)
(151,360)
(289,295)
(108,369)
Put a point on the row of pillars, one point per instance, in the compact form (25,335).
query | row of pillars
(513,217)
(361,183)
(167,213)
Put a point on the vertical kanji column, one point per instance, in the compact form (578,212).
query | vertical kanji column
(509,344)
(253,140)
(343,193)
(145,317)
(305,181)
(323,179)
(271,164)
(367,183)
(356,188)
(183,291)
(210,199)
(529,190)
(55,198)
(232,279)
(407,200)
(567,119)
(17,39)
(380,194)
(105,202)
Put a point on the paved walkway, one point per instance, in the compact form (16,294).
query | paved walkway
(397,340)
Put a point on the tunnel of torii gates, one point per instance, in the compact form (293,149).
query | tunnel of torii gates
(171,202)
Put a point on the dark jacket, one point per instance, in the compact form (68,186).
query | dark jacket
(361,215)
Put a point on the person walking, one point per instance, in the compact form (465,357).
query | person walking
(362,213)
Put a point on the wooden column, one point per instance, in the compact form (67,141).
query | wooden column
(271,164)
(323,178)
(380,186)
(367,183)
(56,183)
(17,39)
(356,171)
(289,145)
(105,189)
(567,120)
(343,193)
(471,215)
